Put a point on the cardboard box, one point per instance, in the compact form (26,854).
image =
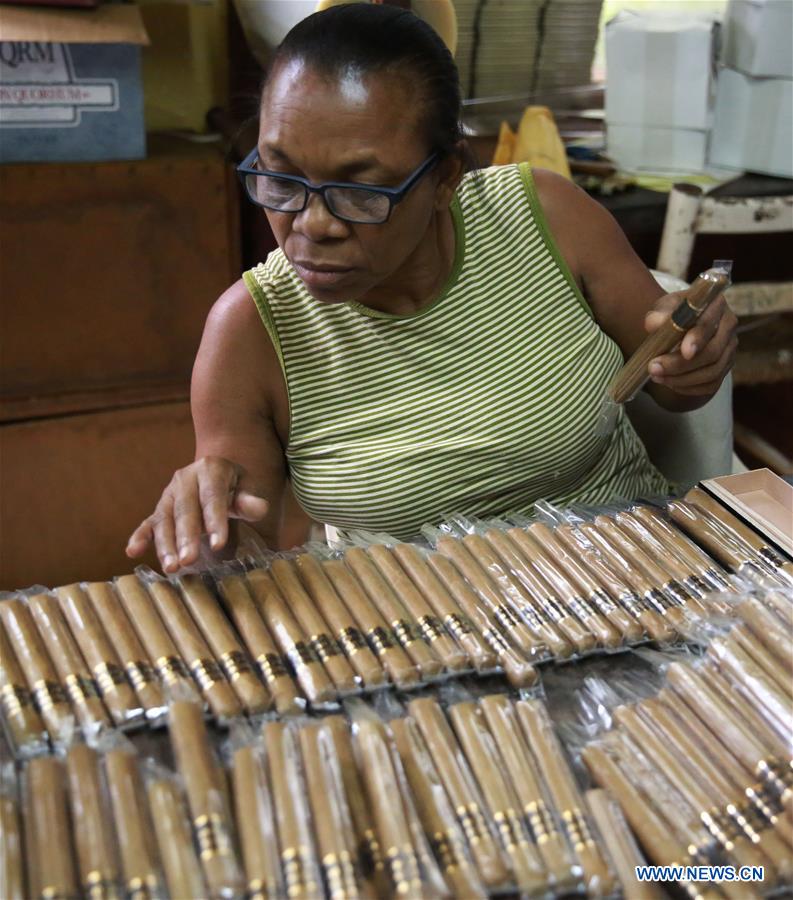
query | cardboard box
(659,70)
(70,85)
(638,148)
(758,37)
(753,128)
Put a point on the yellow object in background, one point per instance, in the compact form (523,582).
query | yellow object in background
(536,142)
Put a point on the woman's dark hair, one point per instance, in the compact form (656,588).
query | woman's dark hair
(366,38)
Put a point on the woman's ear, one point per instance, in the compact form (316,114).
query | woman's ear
(451,171)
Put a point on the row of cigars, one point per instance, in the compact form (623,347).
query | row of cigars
(307,630)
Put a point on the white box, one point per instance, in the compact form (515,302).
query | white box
(659,69)
(638,148)
(753,127)
(758,37)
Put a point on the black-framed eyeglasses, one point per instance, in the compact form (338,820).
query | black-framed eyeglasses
(357,203)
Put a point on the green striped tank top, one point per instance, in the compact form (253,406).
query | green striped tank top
(482,402)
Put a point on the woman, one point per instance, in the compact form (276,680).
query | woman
(422,341)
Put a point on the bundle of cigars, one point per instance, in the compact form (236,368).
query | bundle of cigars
(309,628)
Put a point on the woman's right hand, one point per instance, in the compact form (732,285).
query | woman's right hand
(201,497)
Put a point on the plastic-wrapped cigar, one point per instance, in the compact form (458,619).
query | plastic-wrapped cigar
(459,625)
(744,639)
(206,797)
(519,673)
(553,768)
(298,859)
(385,599)
(561,632)
(51,865)
(24,725)
(12,859)
(128,648)
(256,824)
(200,660)
(261,646)
(462,790)
(429,625)
(331,815)
(435,811)
(92,822)
(225,645)
(519,764)
(656,837)
(569,594)
(402,671)
(621,845)
(780,604)
(153,634)
(98,653)
(309,671)
(183,873)
(137,847)
(774,560)
(73,673)
(320,638)
(767,629)
(614,582)
(485,762)
(526,640)
(343,627)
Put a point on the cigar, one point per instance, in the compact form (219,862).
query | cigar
(462,791)
(300,874)
(201,662)
(519,673)
(206,797)
(744,638)
(519,764)
(502,614)
(402,671)
(129,650)
(435,811)
(261,646)
(602,568)
(224,644)
(23,723)
(459,625)
(93,826)
(52,871)
(139,856)
(12,862)
(330,814)
(779,604)
(487,766)
(768,631)
(553,768)
(313,623)
(256,824)
(343,627)
(307,666)
(776,563)
(572,599)
(430,626)
(116,692)
(154,636)
(621,845)
(584,583)
(383,596)
(73,673)
(183,873)
(561,632)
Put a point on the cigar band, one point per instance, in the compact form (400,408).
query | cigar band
(206,672)
(431,628)
(750,819)
(603,603)
(97,886)
(405,632)
(770,556)
(684,316)
(139,673)
(324,646)
(47,694)
(505,618)
(496,640)
(471,822)
(578,608)
(552,609)
(577,830)
(441,844)
(774,772)
(540,822)
(339,875)
(79,688)
(658,600)
(272,666)
(716,579)
(509,827)
(302,654)
(235,664)
(765,800)
(634,604)
(404,869)
(14,698)
(352,640)
(719,824)
(212,836)
(695,586)
(369,852)
(677,592)
(171,669)
(294,872)
(380,640)
(142,888)
(109,676)
(457,626)
(52,893)
(532,617)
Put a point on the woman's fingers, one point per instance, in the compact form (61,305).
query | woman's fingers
(188,517)
(140,539)
(165,536)
(706,327)
(705,379)
(248,506)
(217,480)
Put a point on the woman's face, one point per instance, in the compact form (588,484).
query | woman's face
(353,129)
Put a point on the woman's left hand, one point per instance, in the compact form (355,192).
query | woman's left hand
(705,355)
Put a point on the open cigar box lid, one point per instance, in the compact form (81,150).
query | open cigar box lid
(762,499)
